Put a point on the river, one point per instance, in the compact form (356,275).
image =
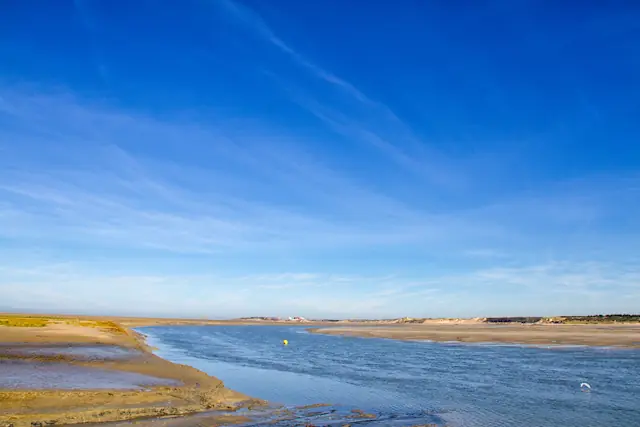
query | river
(407,383)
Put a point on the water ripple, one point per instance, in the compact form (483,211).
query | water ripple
(408,383)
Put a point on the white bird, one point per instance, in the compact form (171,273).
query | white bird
(585,387)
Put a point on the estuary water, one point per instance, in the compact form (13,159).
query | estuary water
(410,383)
(25,375)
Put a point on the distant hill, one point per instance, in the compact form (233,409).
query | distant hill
(598,318)
(513,319)
(603,318)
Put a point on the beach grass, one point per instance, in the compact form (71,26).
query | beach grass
(109,326)
(24,322)
(105,325)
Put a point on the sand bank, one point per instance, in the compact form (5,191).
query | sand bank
(591,335)
(195,391)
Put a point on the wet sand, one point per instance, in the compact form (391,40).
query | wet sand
(624,335)
(307,415)
(196,392)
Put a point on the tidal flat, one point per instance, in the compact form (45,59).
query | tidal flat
(65,370)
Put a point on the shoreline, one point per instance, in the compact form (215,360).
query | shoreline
(197,393)
(60,345)
(601,335)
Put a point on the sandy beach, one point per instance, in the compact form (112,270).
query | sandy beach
(624,335)
(60,346)
(82,346)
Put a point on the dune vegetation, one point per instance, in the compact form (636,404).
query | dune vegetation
(603,318)
(23,321)
(35,321)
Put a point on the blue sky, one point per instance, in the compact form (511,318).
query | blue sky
(222,158)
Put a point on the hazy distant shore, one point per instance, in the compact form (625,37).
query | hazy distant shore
(623,335)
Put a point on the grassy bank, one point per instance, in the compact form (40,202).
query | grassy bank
(25,321)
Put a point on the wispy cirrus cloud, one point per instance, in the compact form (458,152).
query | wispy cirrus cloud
(72,286)
(351,112)
(553,287)
(94,181)
(87,183)
(101,188)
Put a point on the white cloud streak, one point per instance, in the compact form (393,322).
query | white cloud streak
(73,172)
(369,122)
(591,287)
(85,184)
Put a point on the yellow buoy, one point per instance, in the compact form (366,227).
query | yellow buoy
(285,342)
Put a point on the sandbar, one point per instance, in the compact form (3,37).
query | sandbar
(620,335)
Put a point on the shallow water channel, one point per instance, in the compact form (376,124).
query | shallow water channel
(20,369)
(409,383)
